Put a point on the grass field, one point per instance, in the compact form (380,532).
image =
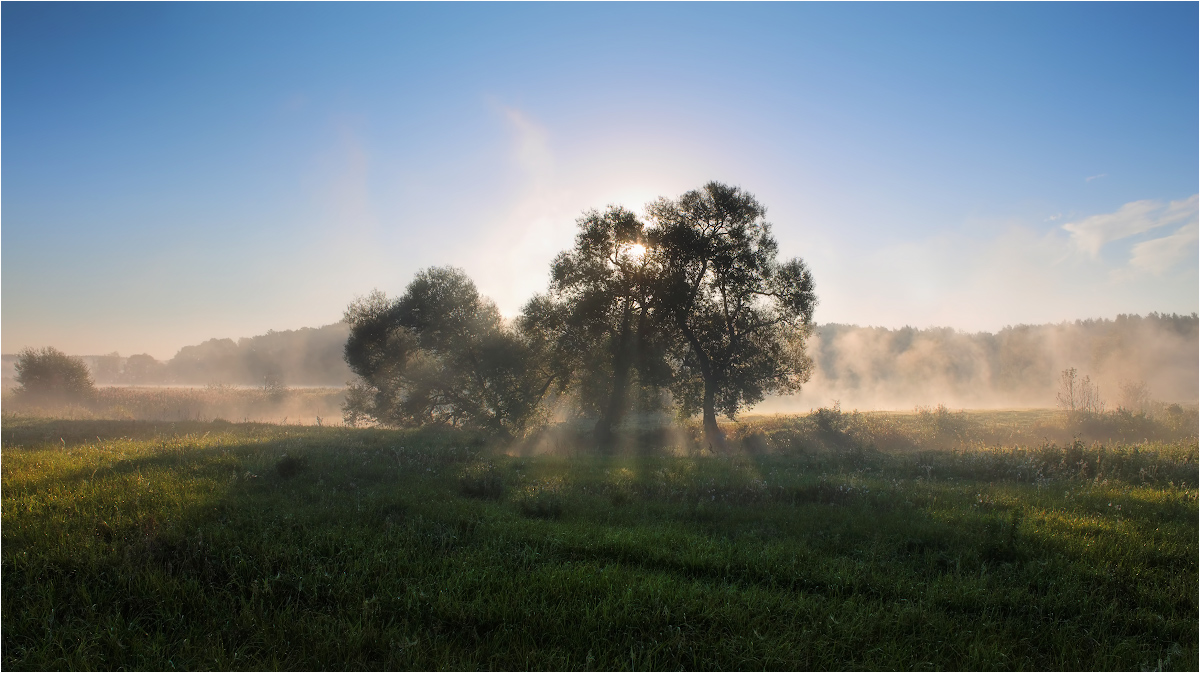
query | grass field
(832,541)
(297,406)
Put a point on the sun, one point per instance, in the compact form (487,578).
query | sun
(636,250)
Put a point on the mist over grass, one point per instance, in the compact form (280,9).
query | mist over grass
(263,404)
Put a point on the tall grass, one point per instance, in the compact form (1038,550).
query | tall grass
(215,545)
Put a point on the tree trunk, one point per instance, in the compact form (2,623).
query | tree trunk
(713,436)
(614,412)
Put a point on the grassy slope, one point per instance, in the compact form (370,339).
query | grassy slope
(183,546)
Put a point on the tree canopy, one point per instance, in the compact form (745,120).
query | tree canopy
(600,310)
(51,373)
(440,353)
(693,300)
(740,315)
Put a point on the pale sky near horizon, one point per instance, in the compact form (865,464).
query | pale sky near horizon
(182,171)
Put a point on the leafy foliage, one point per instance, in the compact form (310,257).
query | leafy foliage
(600,311)
(307,356)
(698,302)
(440,354)
(742,317)
(50,373)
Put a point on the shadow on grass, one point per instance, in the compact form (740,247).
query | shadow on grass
(373,556)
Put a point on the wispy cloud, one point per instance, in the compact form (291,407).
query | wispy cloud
(1093,233)
(1095,177)
(1021,274)
(511,261)
(1160,254)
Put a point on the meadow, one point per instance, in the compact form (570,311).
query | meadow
(279,404)
(930,540)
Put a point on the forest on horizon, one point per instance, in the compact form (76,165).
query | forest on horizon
(861,367)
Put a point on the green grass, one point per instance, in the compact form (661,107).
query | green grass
(300,406)
(215,545)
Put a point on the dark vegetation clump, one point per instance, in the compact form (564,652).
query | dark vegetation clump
(290,466)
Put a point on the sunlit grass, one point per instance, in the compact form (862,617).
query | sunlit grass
(211,545)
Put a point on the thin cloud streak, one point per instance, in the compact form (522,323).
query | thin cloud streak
(1018,275)
(1159,255)
(531,229)
(1093,233)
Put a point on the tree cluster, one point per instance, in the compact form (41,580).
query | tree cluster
(688,307)
(307,356)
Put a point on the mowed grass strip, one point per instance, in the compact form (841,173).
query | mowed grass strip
(212,545)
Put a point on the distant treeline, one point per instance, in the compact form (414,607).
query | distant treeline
(880,368)
(303,357)
(862,367)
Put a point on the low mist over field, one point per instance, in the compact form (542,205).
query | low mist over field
(858,367)
(878,368)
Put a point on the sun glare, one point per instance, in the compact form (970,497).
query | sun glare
(637,250)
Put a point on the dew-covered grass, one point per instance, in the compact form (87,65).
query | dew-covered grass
(246,546)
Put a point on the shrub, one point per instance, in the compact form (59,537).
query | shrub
(1181,420)
(51,373)
(941,428)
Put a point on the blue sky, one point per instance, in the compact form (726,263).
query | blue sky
(176,172)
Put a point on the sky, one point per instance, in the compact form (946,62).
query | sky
(177,172)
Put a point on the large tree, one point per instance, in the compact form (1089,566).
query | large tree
(599,307)
(441,354)
(741,316)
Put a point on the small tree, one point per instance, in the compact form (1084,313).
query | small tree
(1078,396)
(1089,396)
(51,374)
(1068,394)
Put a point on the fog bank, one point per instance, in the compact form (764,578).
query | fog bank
(860,367)
(879,368)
